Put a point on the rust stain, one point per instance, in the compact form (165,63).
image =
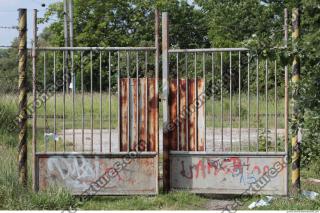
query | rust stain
(142,113)
(147,129)
(173,114)
(124,114)
(183,115)
(192,115)
(152,115)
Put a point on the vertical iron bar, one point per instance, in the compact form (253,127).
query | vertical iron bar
(230,98)
(249,141)
(178,105)
(119,100)
(203,104)
(137,102)
(266,88)
(240,100)
(100,78)
(221,91)
(91,93)
(275,106)
(82,101)
(147,96)
(129,98)
(196,101)
(45,101)
(286,86)
(55,101)
(213,102)
(187,103)
(257,82)
(64,102)
(110,142)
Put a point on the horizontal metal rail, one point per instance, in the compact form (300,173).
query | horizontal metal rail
(131,154)
(96,48)
(207,50)
(233,153)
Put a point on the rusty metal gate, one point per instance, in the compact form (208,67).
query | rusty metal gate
(97,115)
(223,128)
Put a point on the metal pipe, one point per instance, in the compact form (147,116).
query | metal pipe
(55,101)
(275,106)
(248,75)
(34,94)
(110,103)
(82,100)
(137,101)
(204,79)
(213,117)
(165,86)
(257,82)
(266,88)
(119,101)
(64,102)
(178,105)
(196,101)
(207,50)
(240,100)
(221,91)
(45,101)
(96,48)
(100,79)
(230,98)
(91,92)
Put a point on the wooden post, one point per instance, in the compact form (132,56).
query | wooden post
(23,117)
(165,75)
(295,141)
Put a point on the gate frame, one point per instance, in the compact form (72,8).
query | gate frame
(166,115)
(36,156)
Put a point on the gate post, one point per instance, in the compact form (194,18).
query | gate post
(34,94)
(296,143)
(23,117)
(165,74)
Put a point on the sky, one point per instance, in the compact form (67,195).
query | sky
(9,17)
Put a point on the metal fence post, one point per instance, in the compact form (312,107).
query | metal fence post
(156,30)
(34,94)
(165,75)
(296,143)
(286,92)
(23,117)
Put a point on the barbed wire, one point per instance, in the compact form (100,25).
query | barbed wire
(9,27)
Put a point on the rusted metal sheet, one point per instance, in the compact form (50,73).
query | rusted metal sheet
(153,111)
(191,115)
(123,175)
(173,133)
(124,95)
(142,125)
(183,115)
(229,173)
(201,115)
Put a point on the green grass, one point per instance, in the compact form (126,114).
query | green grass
(294,202)
(15,197)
